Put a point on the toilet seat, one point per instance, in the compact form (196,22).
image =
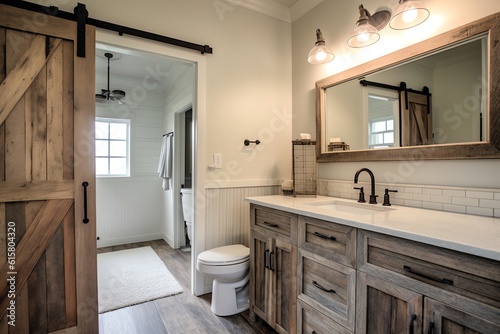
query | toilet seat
(225,255)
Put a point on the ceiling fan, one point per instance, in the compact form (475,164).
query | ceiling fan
(107,94)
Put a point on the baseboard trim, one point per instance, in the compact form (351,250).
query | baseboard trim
(132,239)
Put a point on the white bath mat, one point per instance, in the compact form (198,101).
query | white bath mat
(132,276)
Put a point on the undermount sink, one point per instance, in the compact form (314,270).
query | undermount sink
(351,207)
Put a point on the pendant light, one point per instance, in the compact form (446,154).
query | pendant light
(409,14)
(107,94)
(368,26)
(320,53)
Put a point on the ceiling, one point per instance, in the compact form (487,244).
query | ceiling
(130,68)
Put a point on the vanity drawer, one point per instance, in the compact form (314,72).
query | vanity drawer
(329,240)
(274,220)
(328,286)
(468,275)
(310,321)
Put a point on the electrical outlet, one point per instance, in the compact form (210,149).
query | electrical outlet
(217,160)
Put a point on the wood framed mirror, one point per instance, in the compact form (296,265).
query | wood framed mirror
(416,137)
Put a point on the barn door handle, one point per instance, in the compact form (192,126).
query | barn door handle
(431,328)
(85,184)
(271,256)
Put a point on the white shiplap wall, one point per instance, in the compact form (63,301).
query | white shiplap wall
(130,209)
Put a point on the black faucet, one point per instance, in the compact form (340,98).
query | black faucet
(373,197)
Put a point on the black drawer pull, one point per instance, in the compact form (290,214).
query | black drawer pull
(313,332)
(432,278)
(412,320)
(265,259)
(270,225)
(323,236)
(271,256)
(322,288)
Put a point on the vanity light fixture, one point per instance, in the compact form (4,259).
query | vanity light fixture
(409,14)
(368,26)
(320,53)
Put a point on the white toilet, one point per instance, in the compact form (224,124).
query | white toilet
(229,267)
(187,205)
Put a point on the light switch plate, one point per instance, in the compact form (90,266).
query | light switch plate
(217,160)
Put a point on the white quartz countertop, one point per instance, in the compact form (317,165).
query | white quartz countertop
(470,234)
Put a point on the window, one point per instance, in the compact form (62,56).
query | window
(112,147)
(381,133)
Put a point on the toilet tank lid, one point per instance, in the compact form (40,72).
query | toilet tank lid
(225,254)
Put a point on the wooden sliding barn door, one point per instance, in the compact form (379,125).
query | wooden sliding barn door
(47,254)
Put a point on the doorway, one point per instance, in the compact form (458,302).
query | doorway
(183,172)
(149,103)
(198,100)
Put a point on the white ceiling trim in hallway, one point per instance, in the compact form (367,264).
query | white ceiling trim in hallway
(284,10)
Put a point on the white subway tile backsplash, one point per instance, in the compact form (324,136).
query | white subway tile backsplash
(454,193)
(480,194)
(346,195)
(402,195)
(412,203)
(397,201)
(489,203)
(465,201)
(475,201)
(474,210)
(441,199)
(433,191)
(432,206)
(413,190)
(454,208)
(422,197)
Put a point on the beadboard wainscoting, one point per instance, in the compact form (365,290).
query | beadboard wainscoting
(129,210)
(474,201)
(228,216)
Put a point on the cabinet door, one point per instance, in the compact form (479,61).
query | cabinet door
(260,276)
(283,265)
(383,307)
(440,318)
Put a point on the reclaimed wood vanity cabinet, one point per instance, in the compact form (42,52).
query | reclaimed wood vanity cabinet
(409,287)
(273,263)
(326,275)
(314,276)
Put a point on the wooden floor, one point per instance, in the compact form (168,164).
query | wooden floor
(183,313)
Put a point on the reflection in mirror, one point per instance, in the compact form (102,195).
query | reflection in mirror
(437,99)
(444,102)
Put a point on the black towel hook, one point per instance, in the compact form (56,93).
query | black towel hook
(247,142)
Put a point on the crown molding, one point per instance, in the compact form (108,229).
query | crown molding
(276,10)
(301,7)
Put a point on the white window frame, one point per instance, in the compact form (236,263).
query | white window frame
(384,144)
(128,139)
